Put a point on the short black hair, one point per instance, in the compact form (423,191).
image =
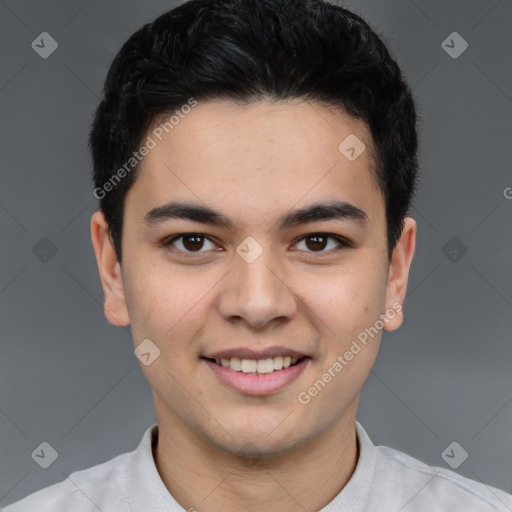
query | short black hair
(250,50)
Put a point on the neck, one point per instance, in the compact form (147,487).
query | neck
(201,476)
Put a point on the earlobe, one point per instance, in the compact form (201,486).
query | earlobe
(109,268)
(398,275)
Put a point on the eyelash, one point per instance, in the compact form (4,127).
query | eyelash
(343,244)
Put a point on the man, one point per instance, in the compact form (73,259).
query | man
(255,163)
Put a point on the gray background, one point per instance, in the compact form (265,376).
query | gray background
(69,378)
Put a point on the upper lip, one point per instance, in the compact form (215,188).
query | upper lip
(249,353)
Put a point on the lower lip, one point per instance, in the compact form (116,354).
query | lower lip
(264,384)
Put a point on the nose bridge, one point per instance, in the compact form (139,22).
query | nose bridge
(256,289)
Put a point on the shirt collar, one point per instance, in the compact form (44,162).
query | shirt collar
(148,492)
(356,493)
(146,488)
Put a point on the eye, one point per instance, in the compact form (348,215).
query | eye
(190,242)
(319,241)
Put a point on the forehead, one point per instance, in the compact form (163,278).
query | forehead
(259,157)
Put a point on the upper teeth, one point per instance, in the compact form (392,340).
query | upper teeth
(257,365)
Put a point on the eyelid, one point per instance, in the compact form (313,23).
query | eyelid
(342,242)
(167,243)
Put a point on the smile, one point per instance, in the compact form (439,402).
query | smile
(257,377)
(258,366)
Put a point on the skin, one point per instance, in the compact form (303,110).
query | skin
(220,449)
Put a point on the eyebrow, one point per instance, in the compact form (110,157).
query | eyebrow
(332,210)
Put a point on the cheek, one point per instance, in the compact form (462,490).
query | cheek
(151,299)
(167,307)
(347,303)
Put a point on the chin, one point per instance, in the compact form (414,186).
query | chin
(258,440)
(252,450)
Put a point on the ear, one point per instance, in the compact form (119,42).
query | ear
(110,271)
(399,273)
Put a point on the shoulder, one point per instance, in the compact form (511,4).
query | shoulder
(423,487)
(86,490)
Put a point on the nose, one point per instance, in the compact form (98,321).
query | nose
(257,292)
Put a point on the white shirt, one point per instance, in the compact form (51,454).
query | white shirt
(385,480)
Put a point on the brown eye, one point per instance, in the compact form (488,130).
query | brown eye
(193,242)
(317,242)
(188,243)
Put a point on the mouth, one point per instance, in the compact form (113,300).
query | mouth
(257,366)
(257,377)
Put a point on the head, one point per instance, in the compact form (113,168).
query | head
(279,140)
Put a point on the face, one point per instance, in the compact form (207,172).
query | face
(268,284)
